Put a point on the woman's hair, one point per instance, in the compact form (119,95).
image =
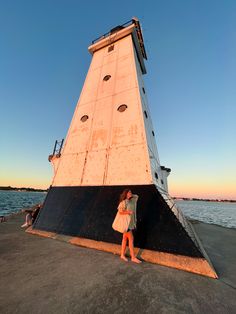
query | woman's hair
(123,195)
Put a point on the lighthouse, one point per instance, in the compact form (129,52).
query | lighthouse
(110,146)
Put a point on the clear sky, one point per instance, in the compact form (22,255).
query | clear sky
(191,85)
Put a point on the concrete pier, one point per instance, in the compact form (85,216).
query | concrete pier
(40,275)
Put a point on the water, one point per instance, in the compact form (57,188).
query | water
(218,213)
(223,214)
(14,201)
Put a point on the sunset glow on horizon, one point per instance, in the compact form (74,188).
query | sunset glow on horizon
(177,188)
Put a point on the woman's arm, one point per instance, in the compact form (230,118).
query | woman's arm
(125,212)
(122,209)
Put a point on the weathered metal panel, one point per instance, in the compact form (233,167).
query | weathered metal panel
(126,165)
(106,88)
(97,60)
(94,168)
(127,125)
(100,129)
(89,91)
(70,169)
(79,132)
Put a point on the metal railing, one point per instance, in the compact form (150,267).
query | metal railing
(57,149)
(134,21)
(179,215)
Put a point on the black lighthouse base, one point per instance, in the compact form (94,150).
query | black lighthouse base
(87,212)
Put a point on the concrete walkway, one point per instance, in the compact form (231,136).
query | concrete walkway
(40,275)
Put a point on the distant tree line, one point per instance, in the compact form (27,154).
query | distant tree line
(10,188)
(203,199)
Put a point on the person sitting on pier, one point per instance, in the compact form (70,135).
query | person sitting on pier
(28,219)
(2,219)
(35,212)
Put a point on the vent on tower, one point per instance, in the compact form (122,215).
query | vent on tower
(110,48)
(84,118)
(107,77)
(122,108)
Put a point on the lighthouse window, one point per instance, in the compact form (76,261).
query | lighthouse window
(122,108)
(145,112)
(156,175)
(107,77)
(143,90)
(162,182)
(84,118)
(153,133)
(110,48)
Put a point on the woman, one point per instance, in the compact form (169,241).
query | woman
(127,206)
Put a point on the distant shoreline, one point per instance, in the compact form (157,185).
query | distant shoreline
(21,189)
(203,200)
(24,189)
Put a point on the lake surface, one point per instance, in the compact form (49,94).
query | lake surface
(218,213)
(14,201)
(223,214)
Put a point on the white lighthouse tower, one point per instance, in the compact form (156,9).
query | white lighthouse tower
(111,139)
(110,146)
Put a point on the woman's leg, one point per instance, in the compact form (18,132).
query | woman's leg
(28,220)
(131,248)
(123,246)
(25,223)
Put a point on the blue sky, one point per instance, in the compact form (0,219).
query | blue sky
(190,83)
